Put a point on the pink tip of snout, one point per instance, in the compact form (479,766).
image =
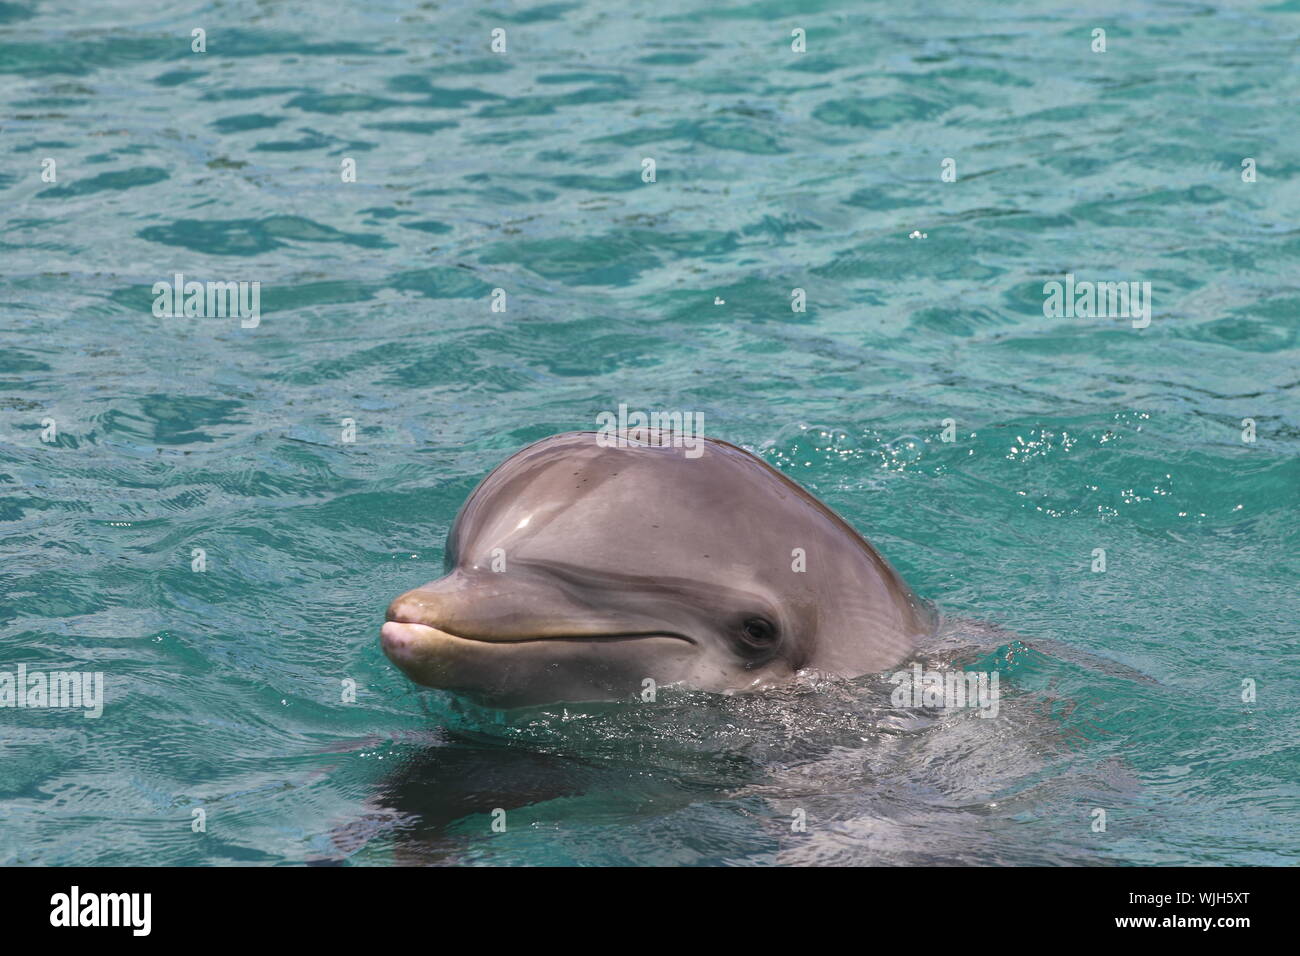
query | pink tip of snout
(395,636)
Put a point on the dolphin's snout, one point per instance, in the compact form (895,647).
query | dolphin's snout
(408,622)
(533,638)
(394,637)
(411,620)
(408,609)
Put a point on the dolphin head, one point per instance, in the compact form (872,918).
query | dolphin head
(577,571)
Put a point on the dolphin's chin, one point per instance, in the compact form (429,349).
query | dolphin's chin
(534,671)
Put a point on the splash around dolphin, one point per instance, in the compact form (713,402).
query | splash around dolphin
(581,570)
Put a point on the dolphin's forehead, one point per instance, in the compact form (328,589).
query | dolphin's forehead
(656,507)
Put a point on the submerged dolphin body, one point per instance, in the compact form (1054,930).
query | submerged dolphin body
(580,572)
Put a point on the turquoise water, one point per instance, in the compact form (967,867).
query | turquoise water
(775,170)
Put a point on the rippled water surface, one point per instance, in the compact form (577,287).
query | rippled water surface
(775,170)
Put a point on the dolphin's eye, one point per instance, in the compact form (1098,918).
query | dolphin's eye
(758,632)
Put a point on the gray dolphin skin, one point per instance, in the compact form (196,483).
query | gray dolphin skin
(577,571)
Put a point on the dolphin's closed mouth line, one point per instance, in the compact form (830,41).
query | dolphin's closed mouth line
(577,638)
(587,638)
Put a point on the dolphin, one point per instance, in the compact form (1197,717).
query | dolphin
(587,567)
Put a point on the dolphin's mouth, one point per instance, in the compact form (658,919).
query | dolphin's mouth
(528,669)
(399,635)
